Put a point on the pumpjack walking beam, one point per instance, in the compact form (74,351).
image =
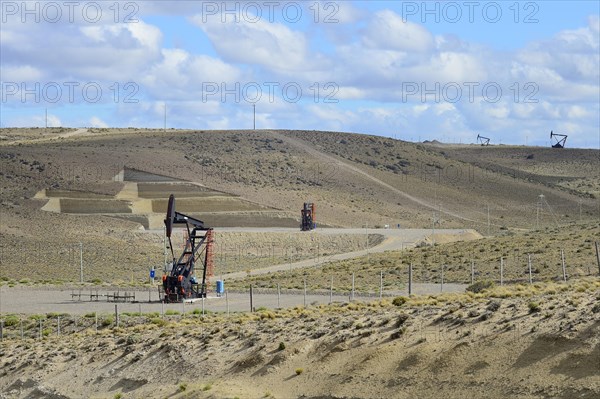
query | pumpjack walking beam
(181,282)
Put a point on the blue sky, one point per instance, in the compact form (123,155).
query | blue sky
(412,70)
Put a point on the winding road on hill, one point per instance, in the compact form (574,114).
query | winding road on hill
(331,159)
(394,240)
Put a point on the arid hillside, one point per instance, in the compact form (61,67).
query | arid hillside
(538,341)
(66,188)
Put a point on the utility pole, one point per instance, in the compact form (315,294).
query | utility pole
(488,220)
(81,262)
(540,203)
(433,228)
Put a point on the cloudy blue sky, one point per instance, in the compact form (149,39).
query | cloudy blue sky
(511,71)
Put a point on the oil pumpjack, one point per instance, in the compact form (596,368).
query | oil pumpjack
(308,220)
(560,139)
(181,282)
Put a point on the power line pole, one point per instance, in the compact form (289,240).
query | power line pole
(81,262)
(488,220)
(433,229)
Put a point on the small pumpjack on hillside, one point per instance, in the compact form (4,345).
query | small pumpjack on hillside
(181,283)
(559,139)
(308,217)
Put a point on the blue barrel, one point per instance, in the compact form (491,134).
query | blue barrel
(220,287)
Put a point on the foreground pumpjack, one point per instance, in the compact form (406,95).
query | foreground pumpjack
(181,282)
(308,217)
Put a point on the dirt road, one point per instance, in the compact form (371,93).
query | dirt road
(395,239)
(43,300)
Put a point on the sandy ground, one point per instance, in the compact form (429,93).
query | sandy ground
(533,342)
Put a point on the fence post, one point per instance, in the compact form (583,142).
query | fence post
(96,320)
(410,277)
(442,279)
(117,315)
(40,330)
(140,308)
(58,325)
(529,266)
(472,271)
(304,291)
(380,285)
(598,255)
(227,302)
(251,301)
(564,266)
(278,296)
(352,293)
(501,270)
(2,330)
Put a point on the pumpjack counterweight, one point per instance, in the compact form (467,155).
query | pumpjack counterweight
(182,282)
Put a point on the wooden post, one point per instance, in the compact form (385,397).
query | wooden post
(117,315)
(380,285)
(278,296)
(598,255)
(564,266)
(251,300)
(1,330)
(227,302)
(529,266)
(501,270)
(304,291)
(410,277)
(40,330)
(352,293)
(472,271)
